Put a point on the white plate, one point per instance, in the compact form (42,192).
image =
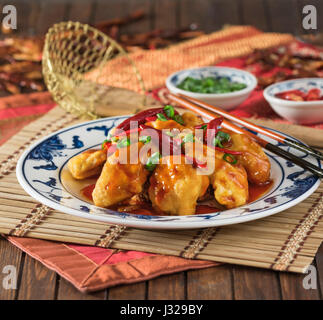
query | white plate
(39,171)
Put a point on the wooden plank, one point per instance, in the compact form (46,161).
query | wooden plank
(33,17)
(255,284)
(143,25)
(279,22)
(37,281)
(10,255)
(210,284)
(136,291)
(165,14)
(253,13)
(66,291)
(210,15)
(50,12)
(106,10)
(81,10)
(292,288)
(170,287)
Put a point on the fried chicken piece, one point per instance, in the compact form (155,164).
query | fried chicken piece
(191,120)
(230,182)
(119,181)
(175,188)
(253,158)
(87,164)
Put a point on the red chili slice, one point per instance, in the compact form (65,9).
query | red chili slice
(313,94)
(195,163)
(151,119)
(140,117)
(228,151)
(293,95)
(212,129)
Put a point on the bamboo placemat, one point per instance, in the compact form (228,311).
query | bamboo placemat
(286,241)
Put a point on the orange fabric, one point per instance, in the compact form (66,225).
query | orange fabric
(155,66)
(86,275)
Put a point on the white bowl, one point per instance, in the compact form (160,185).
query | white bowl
(296,111)
(226,101)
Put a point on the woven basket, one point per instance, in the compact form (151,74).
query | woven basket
(71,51)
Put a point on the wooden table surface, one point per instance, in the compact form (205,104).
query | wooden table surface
(34,17)
(34,281)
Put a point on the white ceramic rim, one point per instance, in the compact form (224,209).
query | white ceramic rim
(289,103)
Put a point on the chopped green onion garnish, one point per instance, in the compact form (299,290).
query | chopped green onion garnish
(204,127)
(161,117)
(114,139)
(123,143)
(170,112)
(178,118)
(232,157)
(221,137)
(188,138)
(217,142)
(152,161)
(145,139)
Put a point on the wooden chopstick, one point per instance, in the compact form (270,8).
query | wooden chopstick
(185,103)
(251,126)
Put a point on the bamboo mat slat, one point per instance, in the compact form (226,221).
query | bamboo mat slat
(287,241)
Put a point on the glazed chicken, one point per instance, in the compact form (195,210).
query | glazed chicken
(119,181)
(230,182)
(175,187)
(172,184)
(87,164)
(253,158)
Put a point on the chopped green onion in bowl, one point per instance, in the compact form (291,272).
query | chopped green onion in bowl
(210,85)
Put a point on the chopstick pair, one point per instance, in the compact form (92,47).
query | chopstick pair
(208,111)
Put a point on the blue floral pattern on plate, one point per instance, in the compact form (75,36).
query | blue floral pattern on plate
(39,172)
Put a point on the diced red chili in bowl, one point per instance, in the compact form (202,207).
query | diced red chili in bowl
(298,95)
